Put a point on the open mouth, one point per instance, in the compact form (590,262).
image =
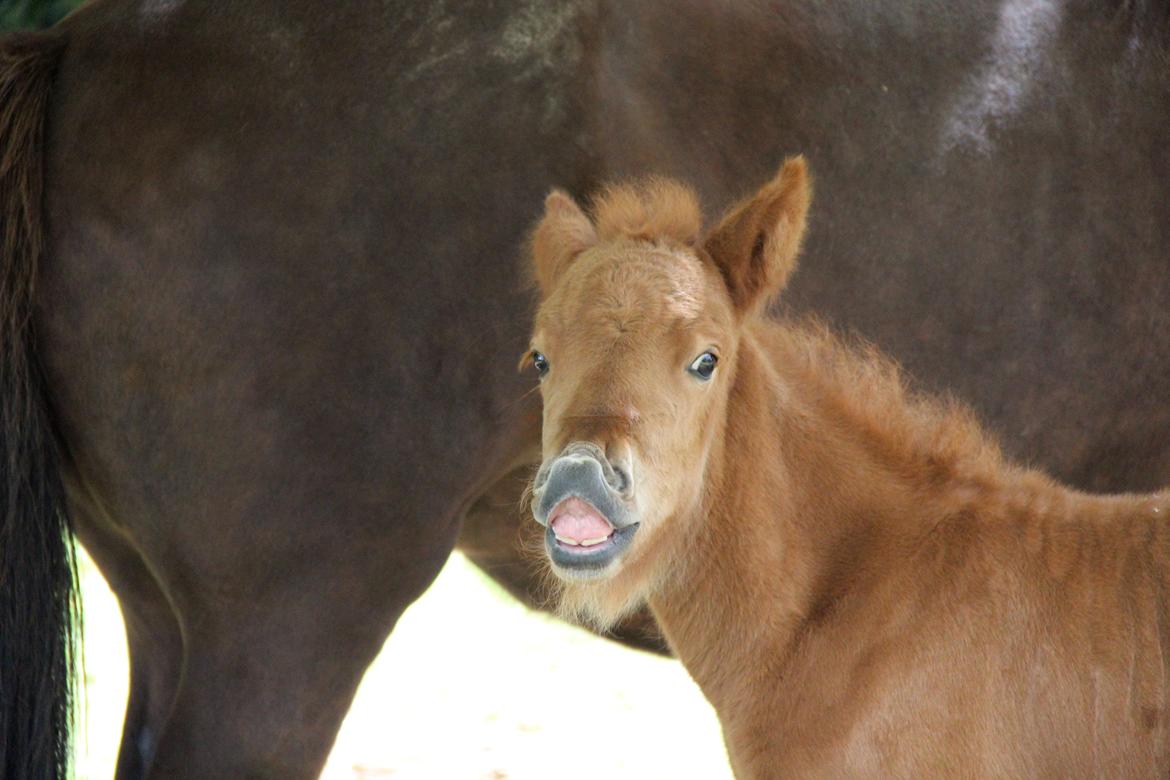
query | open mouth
(580,537)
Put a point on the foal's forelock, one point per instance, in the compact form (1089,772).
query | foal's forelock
(653,208)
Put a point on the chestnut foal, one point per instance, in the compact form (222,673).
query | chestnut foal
(854,576)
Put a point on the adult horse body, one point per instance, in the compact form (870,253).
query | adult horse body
(279,308)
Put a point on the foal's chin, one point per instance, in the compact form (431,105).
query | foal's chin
(600,595)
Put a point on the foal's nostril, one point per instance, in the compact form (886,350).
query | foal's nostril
(621,479)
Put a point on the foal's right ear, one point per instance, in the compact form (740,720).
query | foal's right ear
(755,245)
(562,233)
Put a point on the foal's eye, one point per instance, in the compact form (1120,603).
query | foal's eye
(540,363)
(704,366)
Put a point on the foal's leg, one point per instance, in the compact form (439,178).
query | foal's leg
(500,537)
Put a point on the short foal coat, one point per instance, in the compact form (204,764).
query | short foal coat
(858,581)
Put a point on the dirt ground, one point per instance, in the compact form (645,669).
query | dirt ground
(470,685)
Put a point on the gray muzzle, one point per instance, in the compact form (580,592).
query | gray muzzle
(583,471)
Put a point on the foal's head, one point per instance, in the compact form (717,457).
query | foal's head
(636,343)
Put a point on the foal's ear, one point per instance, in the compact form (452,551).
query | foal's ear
(756,243)
(562,233)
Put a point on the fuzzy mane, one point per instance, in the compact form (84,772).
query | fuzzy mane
(936,436)
(650,209)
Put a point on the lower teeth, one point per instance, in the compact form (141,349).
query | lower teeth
(582,543)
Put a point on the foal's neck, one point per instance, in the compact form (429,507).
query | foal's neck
(826,470)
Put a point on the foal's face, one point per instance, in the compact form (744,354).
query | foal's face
(636,343)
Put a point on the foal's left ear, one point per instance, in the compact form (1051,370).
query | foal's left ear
(564,232)
(756,243)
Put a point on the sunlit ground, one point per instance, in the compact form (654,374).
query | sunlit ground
(470,685)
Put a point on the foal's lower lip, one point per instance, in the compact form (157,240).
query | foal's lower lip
(594,558)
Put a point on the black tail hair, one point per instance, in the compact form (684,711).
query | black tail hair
(39,607)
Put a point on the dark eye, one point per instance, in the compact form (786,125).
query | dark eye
(704,366)
(540,362)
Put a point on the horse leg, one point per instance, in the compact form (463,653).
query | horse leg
(270,695)
(152,635)
(268,678)
(155,645)
(500,537)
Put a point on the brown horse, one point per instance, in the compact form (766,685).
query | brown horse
(270,345)
(858,580)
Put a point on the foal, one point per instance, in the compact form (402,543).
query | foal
(854,576)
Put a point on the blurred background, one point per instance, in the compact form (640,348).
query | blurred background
(33,14)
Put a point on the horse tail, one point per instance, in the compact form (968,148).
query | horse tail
(39,606)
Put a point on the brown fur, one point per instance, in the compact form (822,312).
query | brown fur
(651,210)
(858,580)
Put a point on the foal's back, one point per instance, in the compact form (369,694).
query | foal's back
(996,624)
(1025,638)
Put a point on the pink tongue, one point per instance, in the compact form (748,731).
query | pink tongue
(575,519)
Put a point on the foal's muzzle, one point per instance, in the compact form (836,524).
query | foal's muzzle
(582,488)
